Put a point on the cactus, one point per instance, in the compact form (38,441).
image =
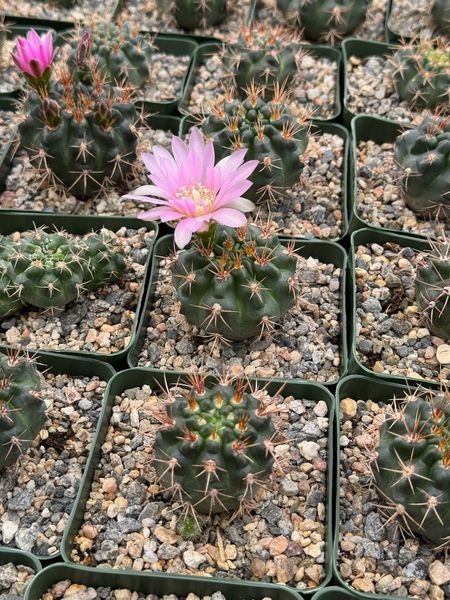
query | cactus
(440,14)
(433,289)
(422,74)
(214,447)
(80,136)
(22,411)
(423,152)
(119,50)
(195,14)
(48,270)
(269,131)
(411,465)
(237,284)
(264,56)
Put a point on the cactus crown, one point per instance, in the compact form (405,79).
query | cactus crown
(22,411)
(269,131)
(215,445)
(422,73)
(330,20)
(411,465)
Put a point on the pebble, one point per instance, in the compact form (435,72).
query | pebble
(309,450)
(439,573)
(14,580)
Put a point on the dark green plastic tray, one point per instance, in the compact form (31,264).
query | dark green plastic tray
(358,388)
(155,583)
(334,592)
(133,378)
(317,50)
(328,252)
(374,236)
(22,221)
(361,49)
(70,365)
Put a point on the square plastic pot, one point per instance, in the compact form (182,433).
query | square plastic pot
(374,236)
(69,365)
(328,252)
(362,388)
(133,378)
(334,592)
(316,50)
(23,221)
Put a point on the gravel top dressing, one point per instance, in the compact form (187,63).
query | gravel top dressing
(374,556)
(412,17)
(14,580)
(129,522)
(37,494)
(7,126)
(49,10)
(10,78)
(100,321)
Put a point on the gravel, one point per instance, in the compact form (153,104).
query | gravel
(374,557)
(306,345)
(130,523)
(49,10)
(379,198)
(37,494)
(391,333)
(7,127)
(412,18)
(10,78)
(101,321)
(14,580)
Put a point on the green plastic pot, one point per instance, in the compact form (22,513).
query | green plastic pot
(23,221)
(328,252)
(19,557)
(316,50)
(361,49)
(375,236)
(59,364)
(334,592)
(133,378)
(358,388)
(316,127)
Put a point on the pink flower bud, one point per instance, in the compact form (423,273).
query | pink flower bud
(33,55)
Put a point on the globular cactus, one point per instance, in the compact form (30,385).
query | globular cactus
(238,285)
(22,410)
(433,289)
(422,74)
(411,465)
(423,152)
(48,270)
(265,56)
(195,14)
(214,447)
(119,51)
(440,14)
(269,131)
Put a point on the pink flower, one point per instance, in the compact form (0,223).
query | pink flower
(190,189)
(33,55)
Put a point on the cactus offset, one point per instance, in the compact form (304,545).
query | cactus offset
(411,467)
(422,74)
(271,134)
(264,56)
(215,446)
(440,14)
(22,411)
(433,288)
(423,152)
(103,260)
(195,14)
(236,284)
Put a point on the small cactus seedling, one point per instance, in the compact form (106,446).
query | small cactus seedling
(236,284)
(433,288)
(264,56)
(411,465)
(423,152)
(422,74)
(22,411)
(269,132)
(215,447)
(440,14)
(195,14)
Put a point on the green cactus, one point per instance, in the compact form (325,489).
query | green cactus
(422,74)
(22,411)
(440,14)
(411,467)
(119,50)
(265,56)
(423,152)
(433,289)
(271,134)
(195,14)
(236,285)
(214,447)
(103,260)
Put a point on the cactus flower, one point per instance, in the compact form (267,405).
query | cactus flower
(189,189)
(33,55)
